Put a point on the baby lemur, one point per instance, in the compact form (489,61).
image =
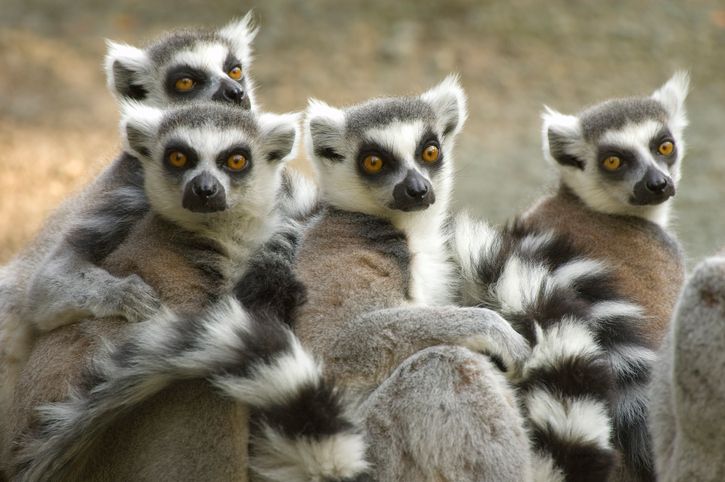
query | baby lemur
(212,174)
(57,279)
(619,165)
(381,288)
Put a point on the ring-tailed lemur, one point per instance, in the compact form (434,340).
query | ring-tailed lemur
(211,176)
(619,164)
(380,289)
(57,280)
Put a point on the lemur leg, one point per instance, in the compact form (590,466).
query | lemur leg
(446,413)
(688,435)
(68,288)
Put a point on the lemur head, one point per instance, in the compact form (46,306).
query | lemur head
(186,65)
(623,156)
(387,157)
(209,163)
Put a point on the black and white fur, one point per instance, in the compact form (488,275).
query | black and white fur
(583,390)
(632,129)
(301,430)
(57,280)
(395,129)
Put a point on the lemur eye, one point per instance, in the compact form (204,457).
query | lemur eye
(184,84)
(177,159)
(666,148)
(236,162)
(372,164)
(612,163)
(235,73)
(431,154)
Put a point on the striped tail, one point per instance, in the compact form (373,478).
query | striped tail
(301,429)
(583,391)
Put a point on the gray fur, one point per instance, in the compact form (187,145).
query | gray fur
(614,114)
(687,399)
(377,113)
(163,49)
(210,115)
(446,396)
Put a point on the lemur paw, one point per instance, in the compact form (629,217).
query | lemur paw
(137,301)
(500,341)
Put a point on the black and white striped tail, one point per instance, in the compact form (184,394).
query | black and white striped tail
(583,391)
(300,426)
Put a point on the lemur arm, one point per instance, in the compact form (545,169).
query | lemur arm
(368,348)
(69,283)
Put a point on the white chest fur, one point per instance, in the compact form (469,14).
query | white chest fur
(431,272)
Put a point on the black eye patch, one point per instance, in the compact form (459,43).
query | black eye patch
(223,158)
(173,146)
(629,160)
(391,164)
(429,139)
(230,62)
(199,77)
(663,136)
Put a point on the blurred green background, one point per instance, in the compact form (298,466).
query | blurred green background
(58,123)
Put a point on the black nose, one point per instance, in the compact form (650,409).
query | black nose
(230,92)
(657,185)
(413,193)
(204,194)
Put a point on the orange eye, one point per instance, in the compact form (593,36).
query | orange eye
(235,73)
(612,163)
(666,148)
(177,159)
(431,154)
(372,164)
(184,84)
(236,162)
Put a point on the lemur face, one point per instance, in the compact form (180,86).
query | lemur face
(622,154)
(209,161)
(390,155)
(186,66)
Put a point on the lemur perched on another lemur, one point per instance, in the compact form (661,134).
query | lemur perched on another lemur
(212,174)
(57,279)
(590,276)
(381,287)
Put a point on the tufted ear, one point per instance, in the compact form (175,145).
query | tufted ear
(449,104)
(241,32)
(324,131)
(672,96)
(279,134)
(562,138)
(125,67)
(139,125)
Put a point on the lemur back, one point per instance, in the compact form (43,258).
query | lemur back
(647,262)
(619,165)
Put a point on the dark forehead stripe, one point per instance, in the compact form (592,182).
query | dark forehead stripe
(162,50)
(215,115)
(380,112)
(616,113)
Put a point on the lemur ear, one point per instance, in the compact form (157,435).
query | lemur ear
(449,103)
(672,96)
(279,134)
(562,138)
(324,131)
(125,67)
(241,32)
(139,125)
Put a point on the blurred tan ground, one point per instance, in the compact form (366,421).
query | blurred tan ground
(57,121)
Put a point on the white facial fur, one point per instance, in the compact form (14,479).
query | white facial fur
(207,56)
(603,194)
(250,197)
